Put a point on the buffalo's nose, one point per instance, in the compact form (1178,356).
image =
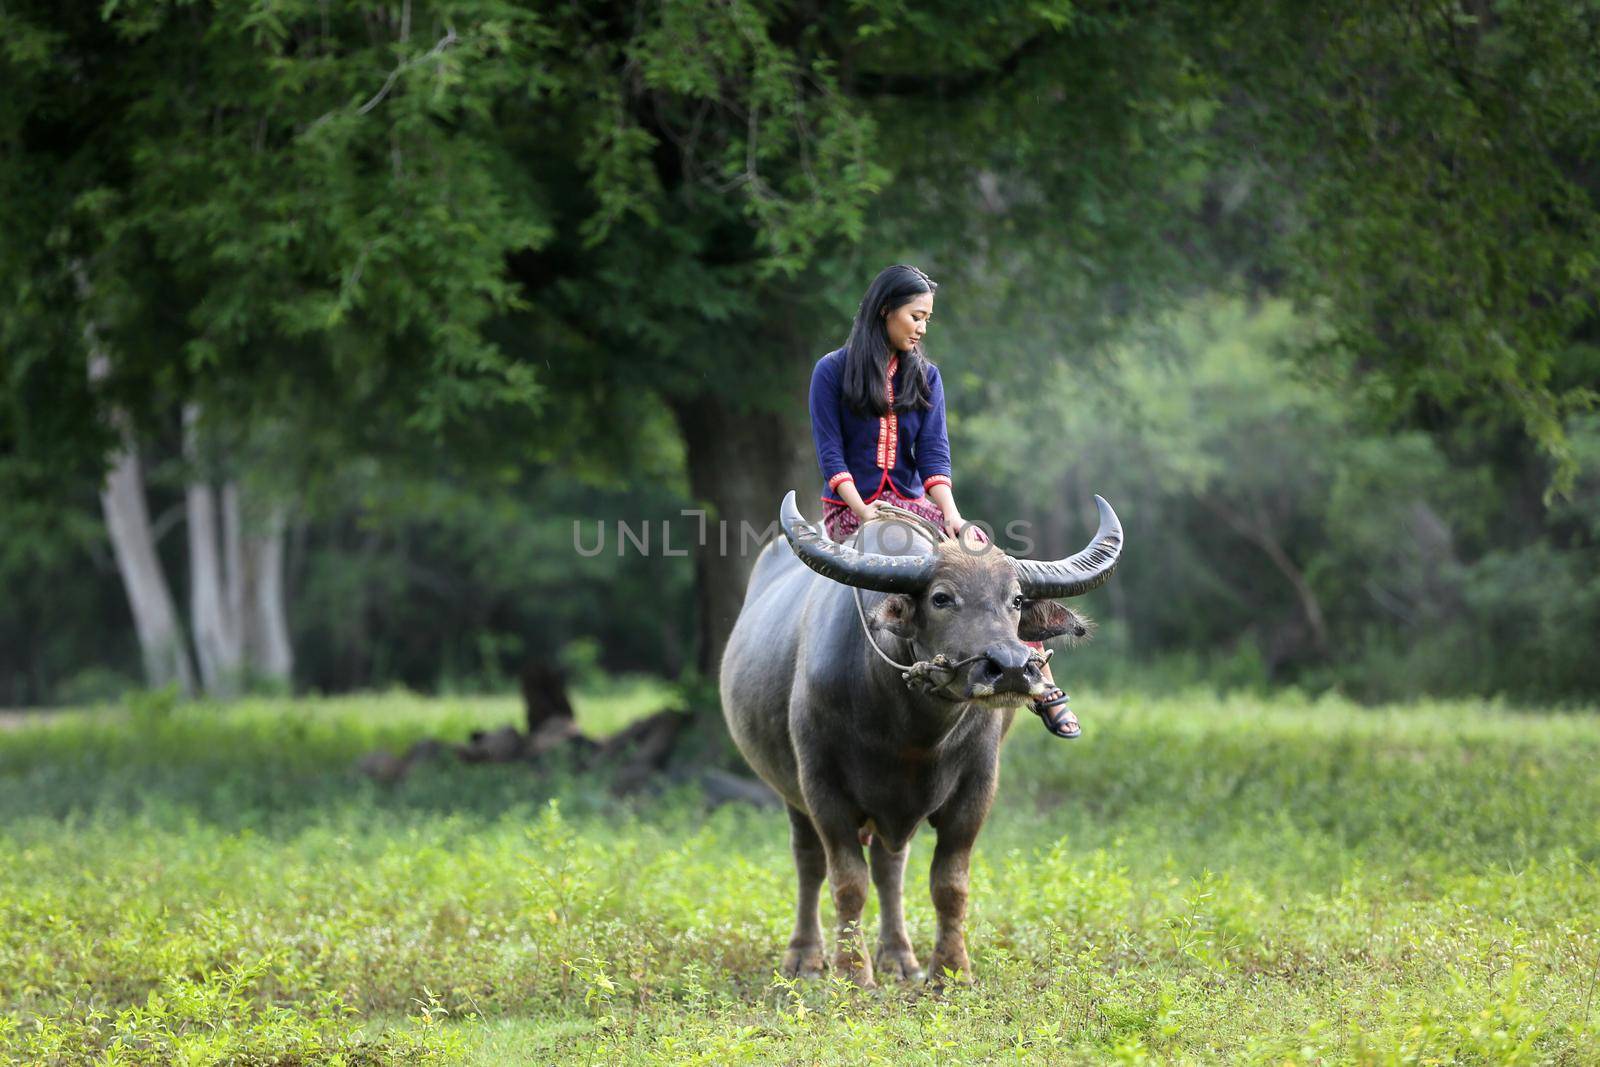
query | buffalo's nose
(1007,655)
(987,672)
(1005,665)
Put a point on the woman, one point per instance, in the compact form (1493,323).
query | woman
(877,415)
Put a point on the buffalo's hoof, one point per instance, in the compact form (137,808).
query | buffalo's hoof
(804,962)
(858,970)
(897,962)
(948,970)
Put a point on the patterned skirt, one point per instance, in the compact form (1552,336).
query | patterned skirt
(841,522)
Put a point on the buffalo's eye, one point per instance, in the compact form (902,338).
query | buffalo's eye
(1016,601)
(942,599)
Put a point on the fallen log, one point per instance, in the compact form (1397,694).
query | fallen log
(505,745)
(635,756)
(641,748)
(722,787)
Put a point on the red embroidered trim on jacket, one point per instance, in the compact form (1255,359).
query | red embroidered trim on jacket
(937,479)
(884,482)
(839,479)
(889,424)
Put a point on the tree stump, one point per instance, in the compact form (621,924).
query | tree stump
(544,695)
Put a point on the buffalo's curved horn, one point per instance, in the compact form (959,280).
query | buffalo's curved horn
(1077,574)
(865,570)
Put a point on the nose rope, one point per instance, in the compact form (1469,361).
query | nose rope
(920,675)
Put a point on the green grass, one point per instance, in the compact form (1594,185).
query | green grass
(1197,879)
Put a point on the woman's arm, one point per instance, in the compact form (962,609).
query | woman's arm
(825,432)
(829,439)
(847,492)
(941,495)
(933,455)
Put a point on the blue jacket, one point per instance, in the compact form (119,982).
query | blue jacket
(905,450)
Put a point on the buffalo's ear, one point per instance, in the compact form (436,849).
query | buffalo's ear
(1044,619)
(896,613)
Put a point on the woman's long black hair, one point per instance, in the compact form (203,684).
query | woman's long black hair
(866,355)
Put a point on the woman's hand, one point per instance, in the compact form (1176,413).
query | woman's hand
(858,507)
(945,500)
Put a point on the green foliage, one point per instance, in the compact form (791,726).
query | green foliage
(1440,214)
(1198,879)
(220,1018)
(334,212)
(331,211)
(1275,521)
(795,150)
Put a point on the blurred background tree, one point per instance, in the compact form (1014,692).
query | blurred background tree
(368,305)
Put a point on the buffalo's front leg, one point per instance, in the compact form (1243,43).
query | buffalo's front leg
(895,957)
(804,957)
(847,873)
(957,824)
(948,880)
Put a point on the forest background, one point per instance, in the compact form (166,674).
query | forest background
(329,332)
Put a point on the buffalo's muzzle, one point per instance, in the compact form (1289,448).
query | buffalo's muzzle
(1006,667)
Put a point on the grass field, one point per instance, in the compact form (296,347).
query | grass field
(1197,879)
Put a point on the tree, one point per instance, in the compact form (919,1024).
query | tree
(257,205)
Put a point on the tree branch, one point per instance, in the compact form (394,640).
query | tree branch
(444,42)
(1257,534)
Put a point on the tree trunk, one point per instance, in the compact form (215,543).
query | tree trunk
(740,466)
(265,619)
(233,564)
(212,599)
(155,618)
(236,579)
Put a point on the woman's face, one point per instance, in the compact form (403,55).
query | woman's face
(908,322)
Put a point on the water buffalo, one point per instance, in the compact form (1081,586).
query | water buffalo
(863,751)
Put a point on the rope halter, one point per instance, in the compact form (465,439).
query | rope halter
(927,676)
